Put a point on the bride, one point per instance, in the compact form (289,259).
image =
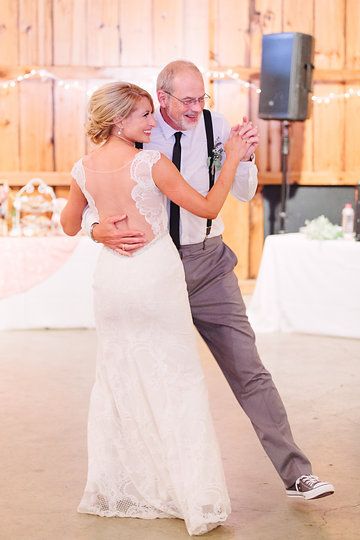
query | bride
(152,450)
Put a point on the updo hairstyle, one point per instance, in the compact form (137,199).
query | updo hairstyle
(112,101)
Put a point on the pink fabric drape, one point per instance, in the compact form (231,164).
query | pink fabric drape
(26,262)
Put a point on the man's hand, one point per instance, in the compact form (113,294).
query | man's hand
(124,242)
(248,133)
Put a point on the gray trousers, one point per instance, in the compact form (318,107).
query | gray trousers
(219,314)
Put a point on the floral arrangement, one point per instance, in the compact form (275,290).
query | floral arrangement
(321,229)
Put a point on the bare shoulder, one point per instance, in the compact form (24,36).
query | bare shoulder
(163,167)
(165,172)
(163,163)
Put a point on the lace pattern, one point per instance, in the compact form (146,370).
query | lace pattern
(149,200)
(78,173)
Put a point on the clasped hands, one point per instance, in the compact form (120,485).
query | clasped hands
(249,134)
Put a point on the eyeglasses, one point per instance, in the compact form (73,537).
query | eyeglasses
(191,101)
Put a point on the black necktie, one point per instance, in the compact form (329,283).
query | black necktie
(174,209)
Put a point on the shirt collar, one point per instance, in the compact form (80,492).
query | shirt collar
(167,130)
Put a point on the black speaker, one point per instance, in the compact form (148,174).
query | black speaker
(286,76)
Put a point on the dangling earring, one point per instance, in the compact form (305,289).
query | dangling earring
(119,134)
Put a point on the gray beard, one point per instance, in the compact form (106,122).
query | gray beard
(183,125)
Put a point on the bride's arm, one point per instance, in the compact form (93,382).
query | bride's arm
(172,184)
(71,215)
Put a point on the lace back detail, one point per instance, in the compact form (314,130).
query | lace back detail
(78,173)
(141,166)
(148,199)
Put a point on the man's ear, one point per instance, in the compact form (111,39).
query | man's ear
(162,97)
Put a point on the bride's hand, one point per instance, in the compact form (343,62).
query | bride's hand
(250,133)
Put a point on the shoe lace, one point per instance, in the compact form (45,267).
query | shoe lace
(308,479)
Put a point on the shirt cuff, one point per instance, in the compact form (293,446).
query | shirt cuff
(88,218)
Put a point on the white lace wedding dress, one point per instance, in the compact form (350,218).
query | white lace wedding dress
(152,450)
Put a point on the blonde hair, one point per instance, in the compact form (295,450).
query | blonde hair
(111,101)
(167,74)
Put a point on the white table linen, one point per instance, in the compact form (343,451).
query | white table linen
(308,286)
(62,300)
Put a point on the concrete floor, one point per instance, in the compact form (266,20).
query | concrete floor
(45,382)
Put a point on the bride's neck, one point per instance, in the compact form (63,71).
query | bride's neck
(125,140)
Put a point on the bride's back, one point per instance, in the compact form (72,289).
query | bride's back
(118,180)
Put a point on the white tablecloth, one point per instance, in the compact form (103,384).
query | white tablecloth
(62,300)
(308,286)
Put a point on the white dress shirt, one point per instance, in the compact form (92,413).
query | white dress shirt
(194,168)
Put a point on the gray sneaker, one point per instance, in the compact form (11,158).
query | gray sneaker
(308,487)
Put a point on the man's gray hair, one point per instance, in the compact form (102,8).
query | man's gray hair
(168,73)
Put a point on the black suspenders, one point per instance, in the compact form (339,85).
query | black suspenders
(210,147)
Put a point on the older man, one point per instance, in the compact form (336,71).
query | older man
(193,139)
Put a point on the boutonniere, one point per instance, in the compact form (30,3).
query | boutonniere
(215,160)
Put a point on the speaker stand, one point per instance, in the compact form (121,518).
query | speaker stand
(285,142)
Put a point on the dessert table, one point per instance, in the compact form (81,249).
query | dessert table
(308,286)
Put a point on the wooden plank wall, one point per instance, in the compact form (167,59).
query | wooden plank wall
(86,43)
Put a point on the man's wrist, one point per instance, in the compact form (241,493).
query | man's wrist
(92,231)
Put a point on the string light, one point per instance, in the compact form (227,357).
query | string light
(215,75)
(350,93)
(230,74)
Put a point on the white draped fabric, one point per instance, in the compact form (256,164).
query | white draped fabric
(26,262)
(308,286)
(60,298)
